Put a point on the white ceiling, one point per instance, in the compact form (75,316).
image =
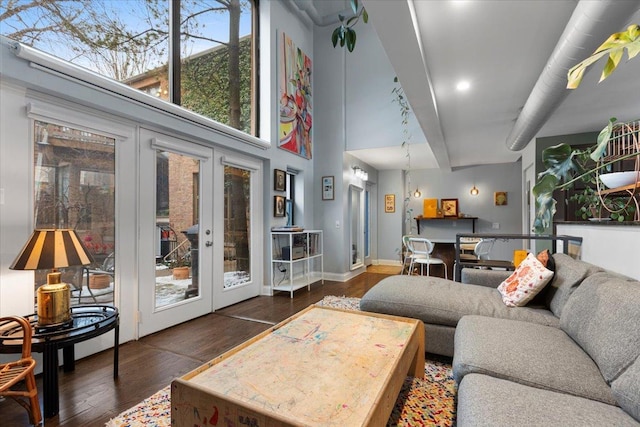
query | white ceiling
(501,47)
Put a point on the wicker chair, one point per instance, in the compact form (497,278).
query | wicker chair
(13,373)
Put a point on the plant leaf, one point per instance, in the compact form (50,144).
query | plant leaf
(558,160)
(334,36)
(603,139)
(354,6)
(633,49)
(612,63)
(545,204)
(365,15)
(613,46)
(351,39)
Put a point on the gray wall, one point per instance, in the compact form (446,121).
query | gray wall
(434,183)
(390,225)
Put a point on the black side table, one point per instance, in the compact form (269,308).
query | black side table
(88,321)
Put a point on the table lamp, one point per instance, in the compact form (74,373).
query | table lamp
(52,249)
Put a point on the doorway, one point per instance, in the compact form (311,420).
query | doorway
(176,199)
(237,250)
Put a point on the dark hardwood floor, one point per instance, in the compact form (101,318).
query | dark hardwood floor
(89,396)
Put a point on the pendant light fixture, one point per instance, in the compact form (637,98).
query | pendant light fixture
(474,190)
(417,193)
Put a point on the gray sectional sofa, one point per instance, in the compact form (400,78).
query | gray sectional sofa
(571,357)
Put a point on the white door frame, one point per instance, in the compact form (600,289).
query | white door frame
(225,297)
(150,318)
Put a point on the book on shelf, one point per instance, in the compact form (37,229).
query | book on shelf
(291,228)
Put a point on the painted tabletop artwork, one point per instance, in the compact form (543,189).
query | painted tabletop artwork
(324,368)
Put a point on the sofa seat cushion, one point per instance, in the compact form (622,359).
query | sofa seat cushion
(527,353)
(443,302)
(626,390)
(494,402)
(603,317)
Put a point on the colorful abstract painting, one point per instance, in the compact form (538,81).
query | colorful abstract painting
(294,130)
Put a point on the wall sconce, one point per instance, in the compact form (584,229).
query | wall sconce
(360,173)
(417,193)
(474,191)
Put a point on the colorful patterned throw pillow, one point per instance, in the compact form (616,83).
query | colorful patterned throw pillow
(529,278)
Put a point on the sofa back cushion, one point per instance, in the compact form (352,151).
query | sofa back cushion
(602,316)
(626,390)
(569,274)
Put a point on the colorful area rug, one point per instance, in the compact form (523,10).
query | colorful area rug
(428,401)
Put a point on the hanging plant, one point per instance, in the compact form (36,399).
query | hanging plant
(405,112)
(345,34)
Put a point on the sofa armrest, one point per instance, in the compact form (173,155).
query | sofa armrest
(489,278)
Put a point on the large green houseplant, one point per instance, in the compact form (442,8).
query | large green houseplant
(565,165)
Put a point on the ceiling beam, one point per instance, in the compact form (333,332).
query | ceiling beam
(400,37)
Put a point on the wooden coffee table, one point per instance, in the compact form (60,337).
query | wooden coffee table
(322,366)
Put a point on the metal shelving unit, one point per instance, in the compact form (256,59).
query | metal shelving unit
(294,259)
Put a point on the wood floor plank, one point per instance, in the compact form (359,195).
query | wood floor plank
(89,396)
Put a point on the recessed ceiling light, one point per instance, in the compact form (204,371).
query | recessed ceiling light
(463,85)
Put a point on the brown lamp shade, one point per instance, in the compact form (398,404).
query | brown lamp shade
(52,248)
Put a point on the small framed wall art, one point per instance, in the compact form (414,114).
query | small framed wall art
(279,180)
(500,198)
(327,188)
(389,203)
(278,206)
(449,207)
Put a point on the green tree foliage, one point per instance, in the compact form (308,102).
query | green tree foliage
(205,85)
(124,39)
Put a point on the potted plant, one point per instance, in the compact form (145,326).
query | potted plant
(181,268)
(565,165)
(593,207)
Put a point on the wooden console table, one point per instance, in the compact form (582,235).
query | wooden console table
(449,218)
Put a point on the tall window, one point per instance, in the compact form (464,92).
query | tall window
(130,41)
(75,188)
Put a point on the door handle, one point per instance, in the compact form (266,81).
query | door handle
(208,243)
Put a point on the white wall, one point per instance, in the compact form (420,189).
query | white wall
(373,117)
(614,247)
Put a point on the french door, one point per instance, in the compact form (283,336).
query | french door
(176,233)
(200,234)
(238,252)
